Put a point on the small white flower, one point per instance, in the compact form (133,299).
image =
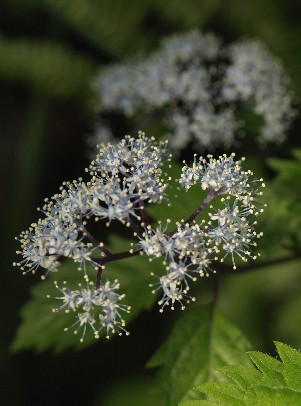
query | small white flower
(98,308)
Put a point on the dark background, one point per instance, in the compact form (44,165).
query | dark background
(49,52)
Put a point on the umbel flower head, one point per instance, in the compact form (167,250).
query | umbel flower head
(97,307)
(124,179)
(198,87)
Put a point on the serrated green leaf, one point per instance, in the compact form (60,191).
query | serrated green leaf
(201,342)
(271,368)
(228,393)
(262,388)
(291,359)
(41,329)
(244,376)
(266,363)
(288,354)
(264,396)
(292,377)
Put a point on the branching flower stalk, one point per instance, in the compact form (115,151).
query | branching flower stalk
(124,179)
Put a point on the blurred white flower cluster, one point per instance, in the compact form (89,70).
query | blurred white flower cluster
(196,87)
(124,179)
(258,79)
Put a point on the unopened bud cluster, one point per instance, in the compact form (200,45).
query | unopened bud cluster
(124,179)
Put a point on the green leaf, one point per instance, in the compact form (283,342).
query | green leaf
(107,25)
(288,354)
(281,300)
(244,376)
(266,364)
(120,30)
(281,222)
(288,174)
(196,403)
(292,361)
(41,329)
(201,342)
(296,152)
(223,392)
(287,315)
(45,66)
(277,383)
(270,367)
(264,396)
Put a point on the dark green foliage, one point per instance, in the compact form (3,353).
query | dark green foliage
(264,302)
(49,52)
(46,67)
(109,26)
(281,221)
(201,342)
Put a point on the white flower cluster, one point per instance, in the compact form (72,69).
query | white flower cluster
(223,175)
(232,230)
(97,307)
(197,87)
(190,248)
(187,252)
(125,178)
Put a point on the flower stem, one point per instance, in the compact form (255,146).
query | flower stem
(201,207)
(127,254)
(134,226)
(98,279)
(143,212)
(91,238)
(116,257)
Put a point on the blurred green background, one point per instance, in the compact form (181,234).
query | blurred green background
(49,52)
